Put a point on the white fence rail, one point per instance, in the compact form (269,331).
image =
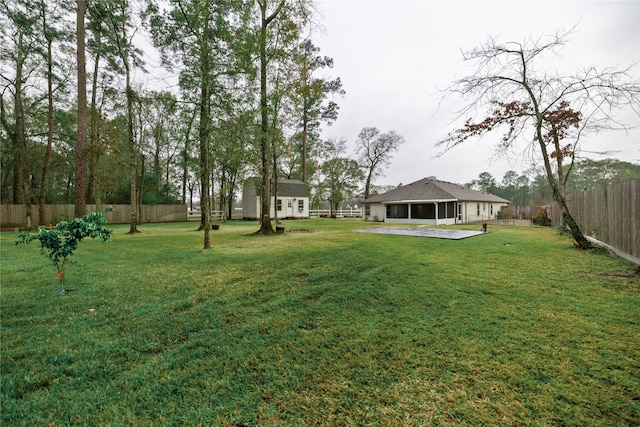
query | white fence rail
(215,216)
(340,213)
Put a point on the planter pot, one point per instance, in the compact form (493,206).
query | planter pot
(279,230)
(215,226)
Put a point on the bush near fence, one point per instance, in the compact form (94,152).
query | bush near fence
(610,215)
(16,215)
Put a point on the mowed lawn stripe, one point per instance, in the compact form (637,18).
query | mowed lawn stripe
(320,327)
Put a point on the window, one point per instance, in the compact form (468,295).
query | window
(300,205)
(288,203)
(279,204)
(367,210)
(423,211)
(478,210)
(491,208)
(447,210)
(398,211)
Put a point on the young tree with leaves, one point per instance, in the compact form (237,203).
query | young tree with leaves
(559,109)
(267,16)
(104,54)
(198,35)
(120,22)
(61,242)
(19,46)
(374,151)
(310,97)
(340,175)
(52,21)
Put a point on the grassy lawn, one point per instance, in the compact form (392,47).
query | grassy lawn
(330,328)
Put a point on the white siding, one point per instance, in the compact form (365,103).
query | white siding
(293,211)
(377,212)
(480,211)
(251,208)
(250,201)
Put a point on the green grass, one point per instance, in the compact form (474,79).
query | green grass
(329,328)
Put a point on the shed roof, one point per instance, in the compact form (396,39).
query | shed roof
(433,190)
(286,187)
(292,188)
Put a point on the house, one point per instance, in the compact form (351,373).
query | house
(430,201)
(292,201)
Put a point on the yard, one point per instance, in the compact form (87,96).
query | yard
(323,327)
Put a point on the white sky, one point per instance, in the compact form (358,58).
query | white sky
(393,55)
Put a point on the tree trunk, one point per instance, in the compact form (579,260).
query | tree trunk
(94,118)
(131,147)
(367,186)
(47,153)
(305,124)
(141,186)
(185,157)
(230,197)
(265,143)
(275,189)
(203,133)
(80,193)
(157,151)
(558,193)
(24,191)
(581,242)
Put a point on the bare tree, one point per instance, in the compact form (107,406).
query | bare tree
(374,152)
(559,110)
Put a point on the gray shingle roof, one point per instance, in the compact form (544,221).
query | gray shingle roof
(432,190)
(292,188)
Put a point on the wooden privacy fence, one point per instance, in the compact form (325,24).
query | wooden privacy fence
(16,215)
(609,214)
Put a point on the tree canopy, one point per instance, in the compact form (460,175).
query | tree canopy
(517,95)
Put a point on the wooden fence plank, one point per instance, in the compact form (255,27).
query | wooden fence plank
(15,215)
(609,214)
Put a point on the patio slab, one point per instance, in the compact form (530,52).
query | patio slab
(437,233)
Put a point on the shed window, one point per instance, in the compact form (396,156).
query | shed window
(398,211)
(279,204)
(367,210)
(423,211)
(301,205)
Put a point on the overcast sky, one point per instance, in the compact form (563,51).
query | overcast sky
(392,57)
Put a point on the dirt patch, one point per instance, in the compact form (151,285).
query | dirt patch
(633,275)
(302,276)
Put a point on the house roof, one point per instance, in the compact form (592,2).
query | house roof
(433,190)
(292,188)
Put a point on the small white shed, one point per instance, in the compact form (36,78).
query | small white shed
(292,201)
